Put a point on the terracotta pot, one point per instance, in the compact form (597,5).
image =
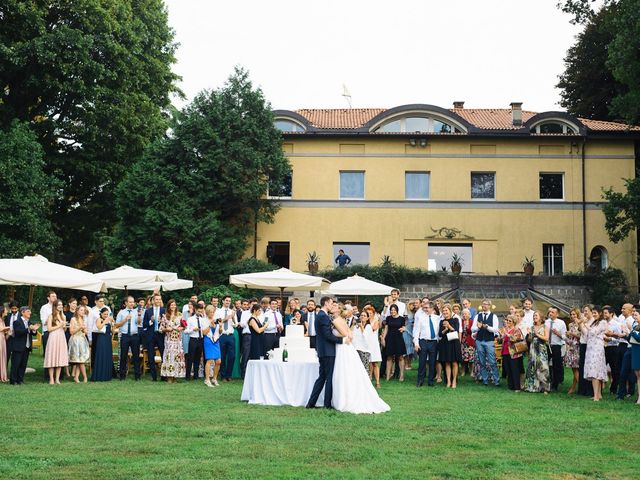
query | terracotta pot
(456,268)
(528,269)
(313,267)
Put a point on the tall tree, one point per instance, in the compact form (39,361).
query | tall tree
(588,87)
(92,78)
(27,195)
(190,203)
(603,67)
(622,210)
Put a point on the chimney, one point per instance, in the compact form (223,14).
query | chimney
(516,113)
(458,104)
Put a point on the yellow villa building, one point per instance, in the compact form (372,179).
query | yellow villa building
(419,183)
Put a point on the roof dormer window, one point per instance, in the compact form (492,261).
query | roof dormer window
(554,128)
(417,125)
(285,125)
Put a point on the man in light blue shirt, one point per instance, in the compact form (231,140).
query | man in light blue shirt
(127,322)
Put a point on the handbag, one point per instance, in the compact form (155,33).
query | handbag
(520,347)
(452,336)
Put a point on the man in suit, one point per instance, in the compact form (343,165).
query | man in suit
(11,317)
(326,348)
(426,326)
(309,320)
(127,322)
(152,337)
(21,345)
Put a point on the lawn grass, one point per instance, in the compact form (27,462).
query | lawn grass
(139,430)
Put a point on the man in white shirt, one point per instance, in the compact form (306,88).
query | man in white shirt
(226,316)
(627,380)
(245,331)
(485,326)
(309,320)
(558,334)
(394,298)
(45,311)
(527,314)
(273,319)
(426,325)
(195,324)
(127,323)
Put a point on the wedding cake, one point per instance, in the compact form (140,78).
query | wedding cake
(297,346)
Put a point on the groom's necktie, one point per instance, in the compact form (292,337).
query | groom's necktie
(431,329)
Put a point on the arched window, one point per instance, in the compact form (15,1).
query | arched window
(288,126)
(418,124)
(599,259)
(554,127)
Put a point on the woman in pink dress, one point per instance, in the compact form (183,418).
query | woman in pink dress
(57,354)
(4,332)
(595,364)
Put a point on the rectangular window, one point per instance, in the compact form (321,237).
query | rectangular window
(352,185)
(440,256)
(483,185)
(553,258)
(281,191)
(416,185)
(358,252)
(551,186)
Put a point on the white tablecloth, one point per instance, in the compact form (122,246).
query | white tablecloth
(268,382)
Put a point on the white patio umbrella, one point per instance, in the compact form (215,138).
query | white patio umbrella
(125,277)
(37,271)
(357,285)
(283,279)
(178,284)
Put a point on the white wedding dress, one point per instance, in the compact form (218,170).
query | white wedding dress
(352,389)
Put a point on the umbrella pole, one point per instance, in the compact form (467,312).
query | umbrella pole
(31,289)
(357,305)
(282,298)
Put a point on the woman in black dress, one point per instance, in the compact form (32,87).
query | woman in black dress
(449,350)
(103,363)
(393,341)
(257,334)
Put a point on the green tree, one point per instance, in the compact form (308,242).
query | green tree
(588,87)
(93,79)
(190,203)
(27,195)
(603,67)
(622,210)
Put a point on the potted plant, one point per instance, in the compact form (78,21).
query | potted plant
(456,263)
(312,262)
(528,265)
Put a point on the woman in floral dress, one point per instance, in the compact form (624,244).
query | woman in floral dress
(173,365)
(595,364)
(538,377)
(468,344)
(572,356)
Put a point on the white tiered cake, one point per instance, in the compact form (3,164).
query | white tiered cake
(297,345)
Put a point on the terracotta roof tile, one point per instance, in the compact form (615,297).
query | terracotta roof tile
(339,117)
(602,126)
(484,118)
(491,118)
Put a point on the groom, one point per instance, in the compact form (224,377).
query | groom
(326,348)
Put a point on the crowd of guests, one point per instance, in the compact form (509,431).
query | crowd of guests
(205,340)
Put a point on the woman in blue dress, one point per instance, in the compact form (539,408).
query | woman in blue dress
(103,363)
(407,335)
(211,348)
(634,340)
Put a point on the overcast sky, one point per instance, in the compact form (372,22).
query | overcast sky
(487,53)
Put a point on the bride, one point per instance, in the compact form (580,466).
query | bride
(352,388)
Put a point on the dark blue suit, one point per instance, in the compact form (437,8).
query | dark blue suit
(152,338)
(326,348)
(20,348)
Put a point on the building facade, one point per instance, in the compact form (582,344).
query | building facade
(420,183)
